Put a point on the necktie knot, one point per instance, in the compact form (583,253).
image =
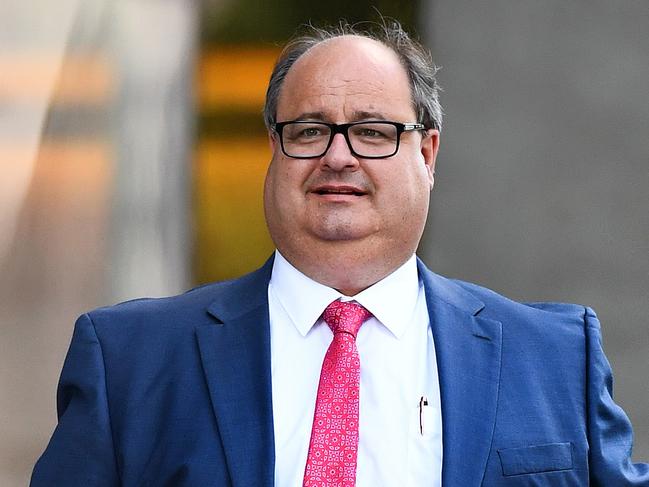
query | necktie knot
(346,317)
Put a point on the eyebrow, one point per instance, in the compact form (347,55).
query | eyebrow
(311,116)
(357,115)
(362,115)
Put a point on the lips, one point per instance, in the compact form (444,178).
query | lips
(338,190)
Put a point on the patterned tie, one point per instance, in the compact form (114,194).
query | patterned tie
(334,435)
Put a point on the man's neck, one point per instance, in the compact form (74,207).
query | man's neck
(348,272)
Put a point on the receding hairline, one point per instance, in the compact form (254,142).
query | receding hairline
(361,40)
(411,54)
(346,38)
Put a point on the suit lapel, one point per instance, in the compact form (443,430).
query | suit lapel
(468,350)
(235,353)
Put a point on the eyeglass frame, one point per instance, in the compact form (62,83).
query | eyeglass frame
(343,128)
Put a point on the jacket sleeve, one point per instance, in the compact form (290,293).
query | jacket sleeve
(80,452)
(610,432)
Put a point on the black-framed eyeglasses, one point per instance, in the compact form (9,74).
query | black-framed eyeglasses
(369,139)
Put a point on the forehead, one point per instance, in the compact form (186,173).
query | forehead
(344,79)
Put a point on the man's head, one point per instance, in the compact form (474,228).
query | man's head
(415,58)
(345,217)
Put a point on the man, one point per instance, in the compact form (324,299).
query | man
(344,360)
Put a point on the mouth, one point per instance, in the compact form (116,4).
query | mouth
(338,191)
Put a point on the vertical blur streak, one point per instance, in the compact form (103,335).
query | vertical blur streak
(149,244)
(95,131)
(31,52)
(34,39)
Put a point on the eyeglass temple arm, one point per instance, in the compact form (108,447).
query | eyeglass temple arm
(413,126)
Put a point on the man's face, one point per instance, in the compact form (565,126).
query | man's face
(368,206)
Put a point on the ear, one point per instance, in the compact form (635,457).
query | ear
(429,150)
(272,141)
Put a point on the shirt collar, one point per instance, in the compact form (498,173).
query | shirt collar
(392,300)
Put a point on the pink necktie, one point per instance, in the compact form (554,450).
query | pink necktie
(334,435)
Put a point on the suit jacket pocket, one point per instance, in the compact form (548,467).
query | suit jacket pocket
(536,459)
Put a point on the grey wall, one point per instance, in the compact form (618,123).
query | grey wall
(542,181)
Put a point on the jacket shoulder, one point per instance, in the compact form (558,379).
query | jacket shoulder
(555,315)
(490,296)
(188,308)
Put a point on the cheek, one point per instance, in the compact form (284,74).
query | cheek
(406,184)
(273,188)
(283,186)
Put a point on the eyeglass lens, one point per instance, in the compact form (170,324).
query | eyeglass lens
(311,139)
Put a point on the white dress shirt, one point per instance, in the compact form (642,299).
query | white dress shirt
(398,369)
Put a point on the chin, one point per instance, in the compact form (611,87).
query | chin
(342,227)
(331,233)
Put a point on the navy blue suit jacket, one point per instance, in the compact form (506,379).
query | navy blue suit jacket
(177,392)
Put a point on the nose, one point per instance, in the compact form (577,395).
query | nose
(339,156)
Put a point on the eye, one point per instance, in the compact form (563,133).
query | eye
(305,132)
(310,132)
(370,132)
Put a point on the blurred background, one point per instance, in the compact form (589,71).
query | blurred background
(133,151)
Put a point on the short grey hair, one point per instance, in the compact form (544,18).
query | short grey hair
(415,58)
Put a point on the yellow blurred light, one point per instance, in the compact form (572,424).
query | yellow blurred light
(234,77)
(231,231)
